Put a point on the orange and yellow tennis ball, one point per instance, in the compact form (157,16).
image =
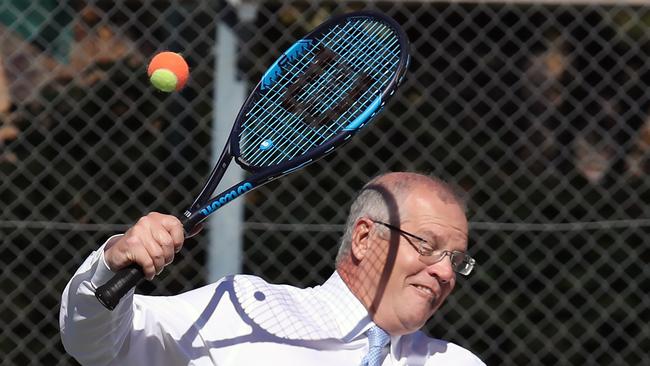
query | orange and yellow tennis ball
(168,71)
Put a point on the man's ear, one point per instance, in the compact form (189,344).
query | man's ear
(361,238)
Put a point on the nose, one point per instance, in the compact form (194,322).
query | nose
(442,270)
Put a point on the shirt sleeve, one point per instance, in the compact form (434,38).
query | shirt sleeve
(89,332)
(139,331)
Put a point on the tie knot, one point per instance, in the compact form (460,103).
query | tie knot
(377,337)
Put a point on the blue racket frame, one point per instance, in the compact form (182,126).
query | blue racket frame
(204,206)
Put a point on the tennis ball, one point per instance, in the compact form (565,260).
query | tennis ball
(164,80)
(168,71)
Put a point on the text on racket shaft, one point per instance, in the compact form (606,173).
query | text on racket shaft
(226,197)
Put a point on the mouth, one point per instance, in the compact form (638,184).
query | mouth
(425,291)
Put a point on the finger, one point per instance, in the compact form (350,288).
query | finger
(117,255)
(143,258)
(165,242)
(156,253)
(162,230)
(145,246)
(120,253)
(175,229)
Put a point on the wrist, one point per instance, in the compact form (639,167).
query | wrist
(107,253)
(103,271)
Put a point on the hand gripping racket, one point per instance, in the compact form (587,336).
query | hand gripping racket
(317,95)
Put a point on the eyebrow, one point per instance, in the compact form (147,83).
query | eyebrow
(446,226)
(444,240)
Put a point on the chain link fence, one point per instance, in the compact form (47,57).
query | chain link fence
(540,112)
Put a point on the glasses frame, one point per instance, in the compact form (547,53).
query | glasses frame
(471,262)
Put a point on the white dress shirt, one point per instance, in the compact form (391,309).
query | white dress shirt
(239,320)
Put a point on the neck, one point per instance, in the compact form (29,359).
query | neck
(352,276)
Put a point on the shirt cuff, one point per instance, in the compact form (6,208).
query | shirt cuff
(102,272)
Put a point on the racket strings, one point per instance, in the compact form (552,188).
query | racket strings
(365,78)
(294,124)
(330,97)
(339,76)
(291,74)
(324,90)
(321,131)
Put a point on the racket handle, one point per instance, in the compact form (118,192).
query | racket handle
(110,293)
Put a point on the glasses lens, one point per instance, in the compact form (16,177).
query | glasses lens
(462,263)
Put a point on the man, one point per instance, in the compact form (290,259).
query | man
(404,241)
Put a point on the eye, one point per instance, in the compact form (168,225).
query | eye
(430,244)
(457,258)
(436,242)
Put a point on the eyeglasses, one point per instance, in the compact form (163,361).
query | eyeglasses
(461,262)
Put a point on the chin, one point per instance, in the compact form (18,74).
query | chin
(414,324)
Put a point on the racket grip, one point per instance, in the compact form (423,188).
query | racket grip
(110,293)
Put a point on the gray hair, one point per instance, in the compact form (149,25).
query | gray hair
(377,201)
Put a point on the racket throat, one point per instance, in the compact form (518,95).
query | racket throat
(213,180)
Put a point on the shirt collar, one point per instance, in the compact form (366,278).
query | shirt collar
(349,313)
(351,316)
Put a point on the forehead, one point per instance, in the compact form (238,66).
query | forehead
(429,209)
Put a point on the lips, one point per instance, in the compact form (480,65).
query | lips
(424,290)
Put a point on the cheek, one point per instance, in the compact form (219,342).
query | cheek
(408,261)
(445,293)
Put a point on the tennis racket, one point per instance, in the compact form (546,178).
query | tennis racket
(316,95)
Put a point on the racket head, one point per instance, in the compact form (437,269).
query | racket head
(320,92)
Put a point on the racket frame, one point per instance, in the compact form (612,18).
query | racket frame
(204,206)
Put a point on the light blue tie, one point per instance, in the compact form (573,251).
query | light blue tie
(377,339)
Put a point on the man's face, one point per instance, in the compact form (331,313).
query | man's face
(405,287)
